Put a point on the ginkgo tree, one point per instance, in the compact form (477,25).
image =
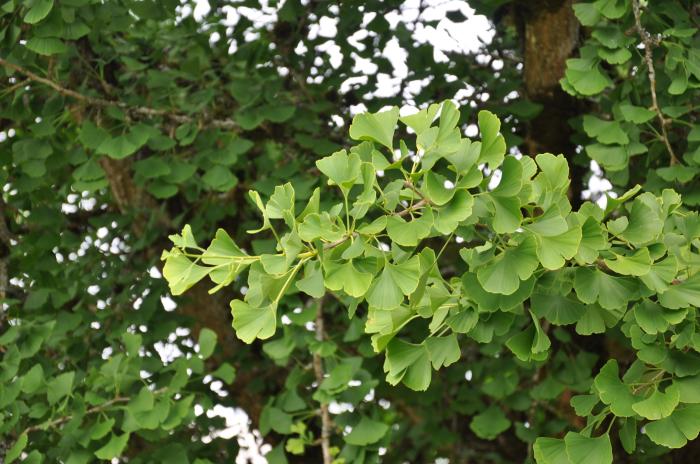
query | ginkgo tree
(374,237)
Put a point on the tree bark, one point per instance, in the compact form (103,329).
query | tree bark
(550,35)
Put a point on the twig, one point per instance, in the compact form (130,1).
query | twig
(143,111)
(6,239)
(94,409)
(415,207)
(318,370)
(649,44)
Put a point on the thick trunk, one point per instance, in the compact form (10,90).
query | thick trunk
(550,36)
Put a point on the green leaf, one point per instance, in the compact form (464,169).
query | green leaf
(251,323)
(490,423)
(38,11)
(644,222)
(493,145)
(207,342)
(375,127)
(366,432)
(395,281)
(60,386)
(686,293)
(33,379)
(321,226)
(421,120)
(588,450)
(587,13)
(219,178)
(101,429)
(443,351)
(658,405)
(554,251)
(341,169)
(607,132)
(583,404)
(530,344)
(181,273)
(636,264)
(409,363)
(593,285)
(628,435)
(344,276)
(16,450)
(409,233)
(312,284)
(557,309)
(504,273)
(113,448)
(507,216)
(451,215)
(435,190)
(650,317)
(593,240)
(551,450)
(585,76)
(225,372)
(281,204)
(636,114)
(119,147)
(688,389)
(511,178)
(613,392)
(677,429)
(46,46)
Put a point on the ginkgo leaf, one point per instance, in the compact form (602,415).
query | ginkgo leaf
(588,450)
(677,429)
(493,145)
(593,285)
(448,217)
(511,178)
(340,168)
(181,273)
(395,281)
(409,363)
(490,423)
(554,251)
(312,284)
(636,264)
(409,233)
(613,392)
(435,190)
(658,405)
(346,277)
(376,127)
(250,323)
(443,351)
(366,432)
(686,293)
(507,216)
(504,273)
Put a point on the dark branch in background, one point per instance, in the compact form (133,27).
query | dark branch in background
(137,111)
(649,43)
(318,370)
(6,239)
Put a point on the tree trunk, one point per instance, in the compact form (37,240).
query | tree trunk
(550,35)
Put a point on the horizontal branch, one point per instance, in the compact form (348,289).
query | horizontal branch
(142,111)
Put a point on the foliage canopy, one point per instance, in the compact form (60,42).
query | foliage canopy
(368,288)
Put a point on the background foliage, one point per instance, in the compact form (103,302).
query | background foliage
(122,121)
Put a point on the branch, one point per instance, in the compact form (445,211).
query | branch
(6,240)
(318,370)
(649,44)
(415,207)
(142,111)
